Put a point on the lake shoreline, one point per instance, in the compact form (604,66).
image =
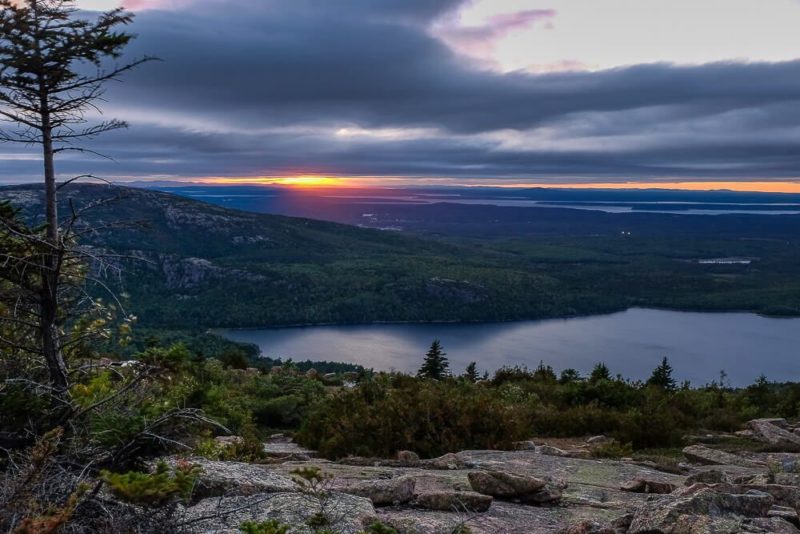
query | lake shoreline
(508,321)
(631,342)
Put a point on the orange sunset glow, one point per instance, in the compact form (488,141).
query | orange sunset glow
(307,181)
(310,181)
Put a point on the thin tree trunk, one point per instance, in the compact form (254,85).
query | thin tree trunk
(48,320)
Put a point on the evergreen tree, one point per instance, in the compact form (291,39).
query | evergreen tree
(569,375)
(600,372)
(52,79)
(471,373)
(435,364)
(544,373)
(662,377)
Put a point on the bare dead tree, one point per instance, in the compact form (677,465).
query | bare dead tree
(52,78)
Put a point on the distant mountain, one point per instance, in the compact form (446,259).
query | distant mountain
(203,265)
(491,213)
(199,265)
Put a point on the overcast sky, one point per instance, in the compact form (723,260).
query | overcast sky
(488,91)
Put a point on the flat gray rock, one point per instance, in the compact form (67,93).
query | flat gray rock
(236,478)
(346,514)
(707,456)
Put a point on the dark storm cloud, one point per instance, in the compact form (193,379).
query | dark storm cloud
(261,88)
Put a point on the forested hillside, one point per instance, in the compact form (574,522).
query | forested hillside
(198,265)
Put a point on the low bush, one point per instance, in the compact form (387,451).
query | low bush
(155,489)
(395,412)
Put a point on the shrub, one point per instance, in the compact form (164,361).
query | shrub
(379,528)
(271,526)
(396,412)
(153,489)
(612,449)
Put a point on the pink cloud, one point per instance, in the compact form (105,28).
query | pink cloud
(480,40)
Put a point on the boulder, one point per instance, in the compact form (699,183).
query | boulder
(700,511)
(642,485)
(524,445)
(347,514)
(777,421)
(552,451)
(550,494)
(408,458)
(448,461)
(236,478)
(712,476)
(774,435)
(783,495)
(707,456)
(383,492)
(786,513)
(787,479)
(455,501)
(280,446)
(769,525)
(598,440)
(504,485)
(521,488)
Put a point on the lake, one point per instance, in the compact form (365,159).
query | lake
(698,345)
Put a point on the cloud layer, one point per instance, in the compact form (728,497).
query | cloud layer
(367,87)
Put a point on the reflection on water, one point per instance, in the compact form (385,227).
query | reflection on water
(698,345)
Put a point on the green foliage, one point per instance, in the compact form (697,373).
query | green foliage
(250,401)
(271,526)
(662,376)
(569,375)
(234,359)
(471,372)
(310,476)
(544,373)
(613,449)
(396,412)
(379,528)
(249,449)
(435,366)
(173,358)
(600,372)
(155,489)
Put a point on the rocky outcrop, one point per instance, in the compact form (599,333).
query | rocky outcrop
(455,501)
(344,514)
(700,509)
(517,488)
(707,456)
(281,447)
(235,478)
(767,431)
(447,461)
(711,476)
(383,492)
(510,491)
(408,458)
(641,485)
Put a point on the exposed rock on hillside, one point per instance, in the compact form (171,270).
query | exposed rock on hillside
(767,431)
(346,514)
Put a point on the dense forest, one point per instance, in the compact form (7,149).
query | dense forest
(189,265)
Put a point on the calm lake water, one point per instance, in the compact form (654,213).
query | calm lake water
(698,345)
